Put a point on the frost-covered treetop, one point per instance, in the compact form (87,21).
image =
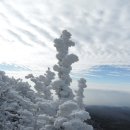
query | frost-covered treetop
(82,83)
(65,34)
(62,44)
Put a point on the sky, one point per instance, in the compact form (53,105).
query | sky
(99,28)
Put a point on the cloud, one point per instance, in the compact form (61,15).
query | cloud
(18,37)
(107,98)
(100,29)
(105,71)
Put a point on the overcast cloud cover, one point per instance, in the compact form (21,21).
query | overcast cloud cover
(100,28)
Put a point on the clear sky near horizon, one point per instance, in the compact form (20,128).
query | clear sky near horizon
(100,29)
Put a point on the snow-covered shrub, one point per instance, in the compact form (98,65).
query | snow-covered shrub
(71,117)
(13,104)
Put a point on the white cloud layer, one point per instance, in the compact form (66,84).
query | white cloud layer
(107,98)
(100,28)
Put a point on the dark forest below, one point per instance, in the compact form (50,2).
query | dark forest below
(109,118)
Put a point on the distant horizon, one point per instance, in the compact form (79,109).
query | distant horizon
(95,94)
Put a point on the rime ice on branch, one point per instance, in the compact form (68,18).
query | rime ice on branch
(63,67)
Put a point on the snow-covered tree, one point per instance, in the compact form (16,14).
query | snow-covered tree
(42,83)
(45,106)
(79,93)
(70,114)
(65,60)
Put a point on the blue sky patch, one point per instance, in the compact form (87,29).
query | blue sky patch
(109,74)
